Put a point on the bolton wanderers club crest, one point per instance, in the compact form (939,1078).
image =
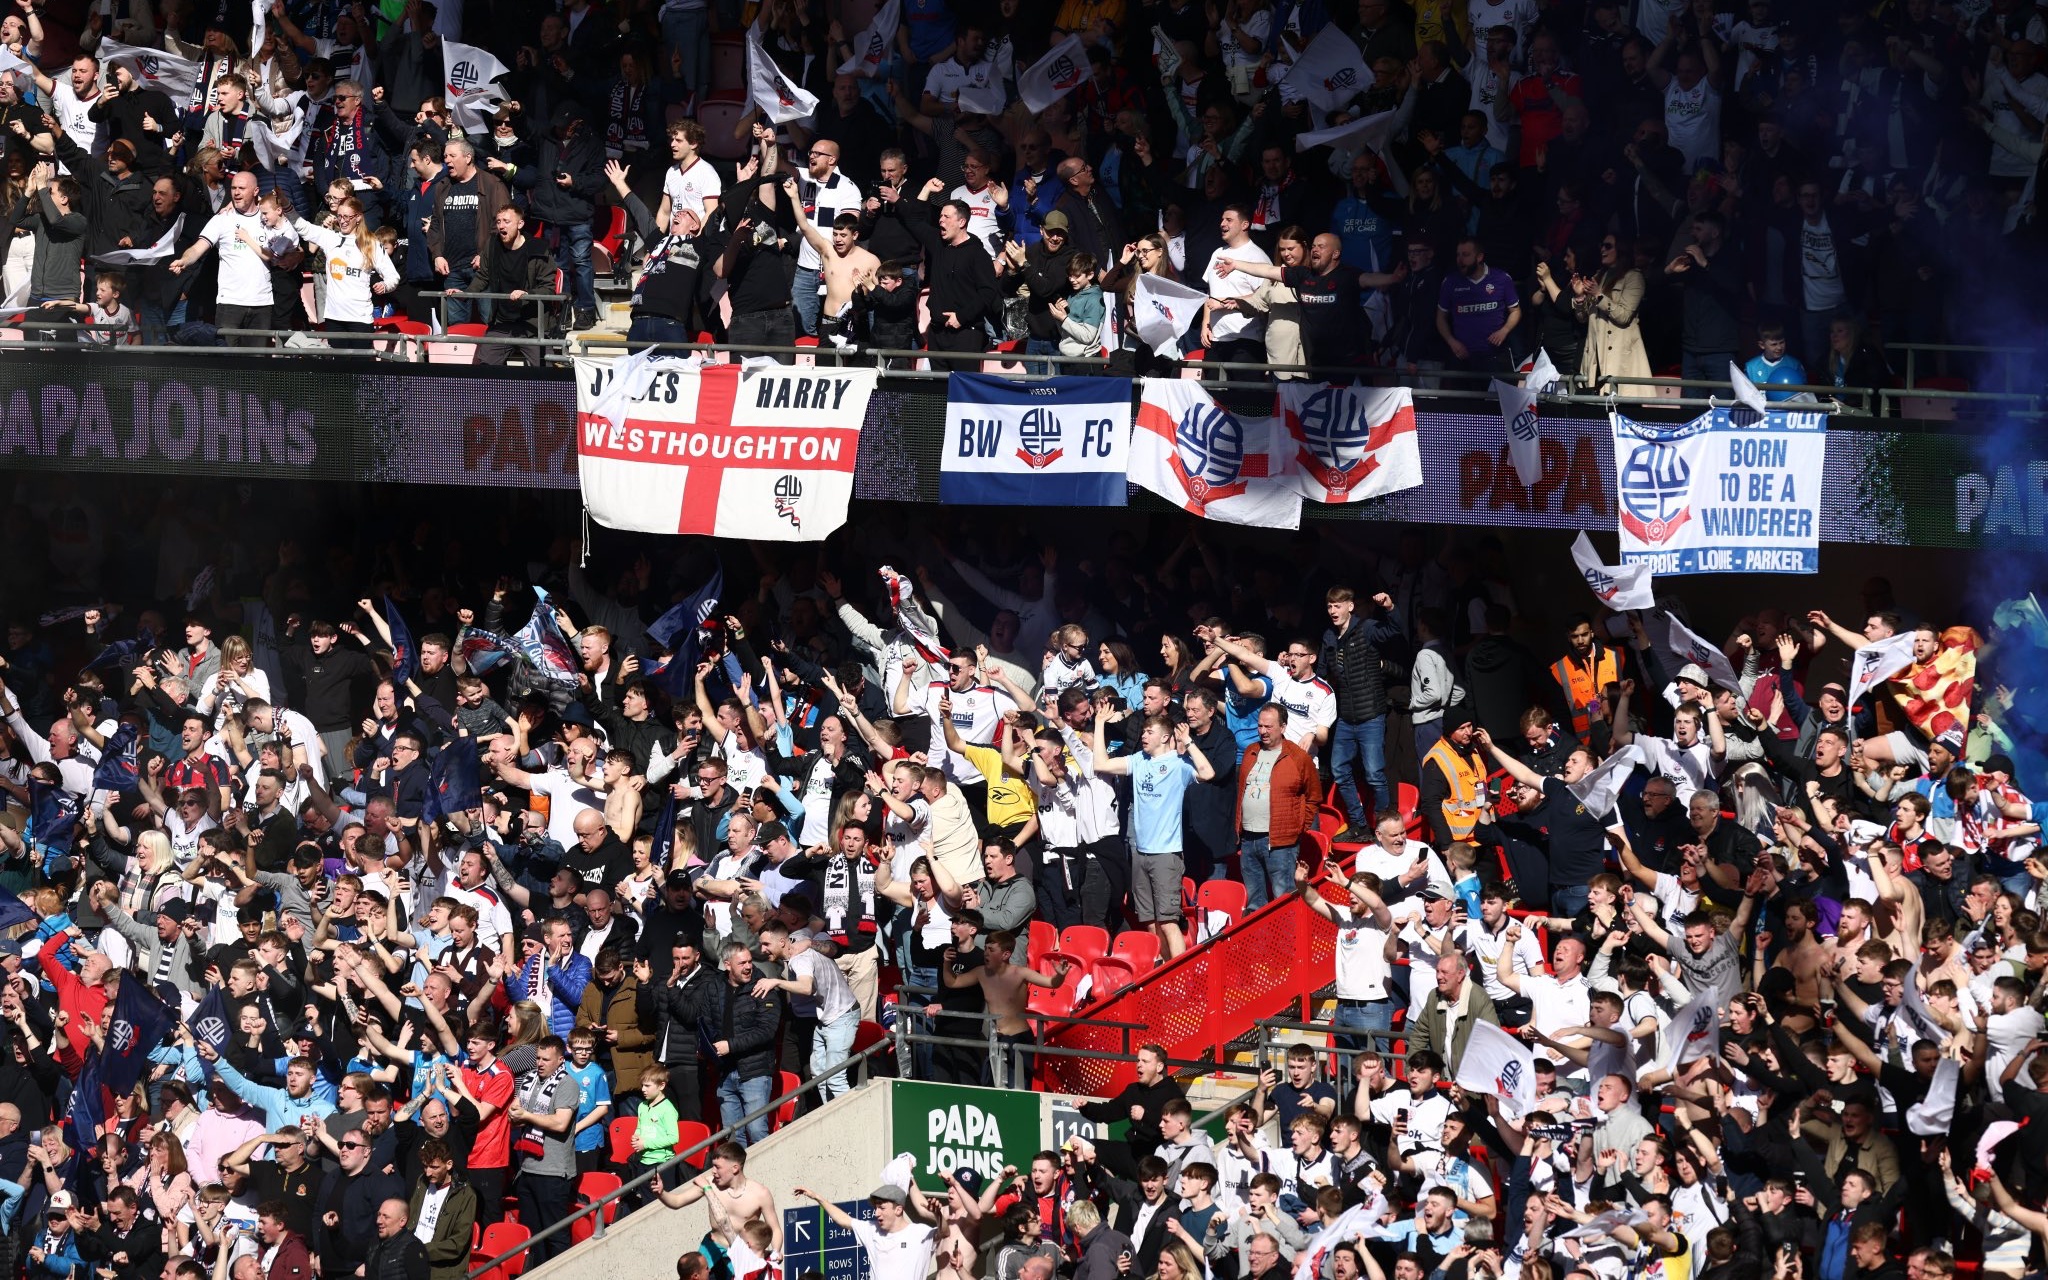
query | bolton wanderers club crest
(1655,483)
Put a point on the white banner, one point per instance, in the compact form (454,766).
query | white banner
(871,47)
(1054,76)
(667,445)
(984,92)
(153,69)
(1165,57)
(1064,442)
(165,246)
(1525,441)
(1874,664)
(1330,72)
(1617,586)
(1208,461)
(469,68)
(778,97)
(1496,1063)
(1717,495)
(1352,444)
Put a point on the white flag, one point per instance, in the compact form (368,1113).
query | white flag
(153,68)
(778,97)
(259,24)
(1349,1225)
(1618,587)
(472,111)
(1599,789)
(1164,55)
(1685,645)
(985,94)
(871,47)
(1367,133)
(1745,390)
(163,248)
(1695,1033)
(1164,309)
(1054,76)
(1543,377)
(1498,1064)
(1874,664)
(1525,442)
(1211,462)
(1330,72)
(1931,1116)
(469,68)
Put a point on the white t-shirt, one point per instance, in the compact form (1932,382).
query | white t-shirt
(1555,1005)
(1820,266)
(690,188)
(72,114)
(981,212)
(1259,27)
(977,715)
(1225,326)
(824,201)
(829,991)
(1528,956)
(1674,904)
(348,298)
(1688,768)
(1311,704)
(1692,119)
(1362,965)
(1390,867)
(900,1255)
(244,277)
(566,799)
(949,77)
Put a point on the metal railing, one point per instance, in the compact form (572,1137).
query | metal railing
(595,1209)
(1935,404)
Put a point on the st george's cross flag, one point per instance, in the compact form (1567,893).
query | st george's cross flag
(1352,444)
(1211,462)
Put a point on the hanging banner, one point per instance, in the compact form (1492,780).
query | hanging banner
(1064,442)
(1732,491)
(1352,444)
(764,452)
(1216,464)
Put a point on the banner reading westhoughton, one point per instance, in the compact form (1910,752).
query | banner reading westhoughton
(1352,444)
(1064,442)
(1732,491)
(765,452)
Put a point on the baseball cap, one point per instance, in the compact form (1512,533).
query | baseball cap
(1054,221)
(1998,764)
(61,1201)
(677,879)
(888,1192)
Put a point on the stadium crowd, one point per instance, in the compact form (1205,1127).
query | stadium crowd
(1652,185)
(332,945)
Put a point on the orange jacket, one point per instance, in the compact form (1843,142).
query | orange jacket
(1296,792)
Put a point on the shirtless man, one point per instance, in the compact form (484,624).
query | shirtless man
(1002,987)
(730,1197)
(1803,954)
(1852,930)
(842,264)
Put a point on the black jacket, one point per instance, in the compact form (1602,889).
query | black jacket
(1359,663)
(675,1011)
(401,1257)
(747,1023)
(1046,274)
(574,148)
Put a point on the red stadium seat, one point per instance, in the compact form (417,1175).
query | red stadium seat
(1111,973)
(785,1082)
(1226,896)
(688,1134)
(1043,941)
(604,250)
(1139,947)
(1084,944)
(621,1133)
(502,1236)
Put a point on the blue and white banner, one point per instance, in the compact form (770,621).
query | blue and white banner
(1732,491)
(1065,442)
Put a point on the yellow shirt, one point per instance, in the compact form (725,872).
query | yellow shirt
(1009,800)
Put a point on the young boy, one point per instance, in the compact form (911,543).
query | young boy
(106,309)
(1081,312)
(475,710)
(1771,366)
(655,1136)
(594,1106)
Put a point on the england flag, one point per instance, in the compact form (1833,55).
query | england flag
(1352,444)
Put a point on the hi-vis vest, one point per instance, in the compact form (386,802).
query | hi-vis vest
(1582,684)
(1462,807)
